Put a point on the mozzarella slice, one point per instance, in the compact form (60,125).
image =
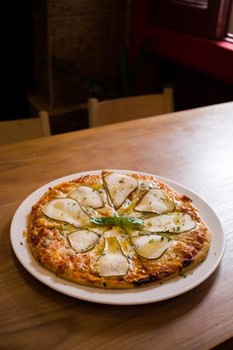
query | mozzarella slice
(174,222)
(68,210)
(83,240)
(155,201)
(119,186)
(87,197)
(151,246)
(112,262)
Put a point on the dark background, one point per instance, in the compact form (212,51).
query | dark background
(192,88)
(16,58)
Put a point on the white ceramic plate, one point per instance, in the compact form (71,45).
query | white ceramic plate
(142,295)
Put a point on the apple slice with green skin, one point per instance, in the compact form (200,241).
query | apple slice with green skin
(68,210)
(175,222)
(151,246)
(83,240)
(112,262)
(155,201)
(119,186)
(87,197)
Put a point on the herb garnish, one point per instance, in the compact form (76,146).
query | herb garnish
(122,221)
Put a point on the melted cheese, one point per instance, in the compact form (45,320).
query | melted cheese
(116,232)
(68,210)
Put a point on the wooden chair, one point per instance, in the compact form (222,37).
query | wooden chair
(24,129)
(129,108)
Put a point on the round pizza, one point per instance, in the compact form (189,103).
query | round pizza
(117,230)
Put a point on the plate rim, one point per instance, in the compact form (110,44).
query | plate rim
(142,295)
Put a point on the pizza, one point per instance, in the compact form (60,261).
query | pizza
(114,229)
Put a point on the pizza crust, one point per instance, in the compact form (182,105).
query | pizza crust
(125,263)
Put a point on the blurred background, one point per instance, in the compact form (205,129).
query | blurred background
(57,53)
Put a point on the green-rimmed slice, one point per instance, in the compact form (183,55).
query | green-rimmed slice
(68,210)
(83,240)
(151,246)
(112,262)
(175,222)
(87,197)
(119,186)
(156,201)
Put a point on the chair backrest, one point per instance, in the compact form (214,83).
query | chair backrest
(24,129)
(129,108)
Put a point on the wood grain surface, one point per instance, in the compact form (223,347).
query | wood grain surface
(193,148)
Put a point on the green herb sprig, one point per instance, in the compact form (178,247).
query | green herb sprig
(122,221)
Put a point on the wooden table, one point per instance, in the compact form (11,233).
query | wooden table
(194,148)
